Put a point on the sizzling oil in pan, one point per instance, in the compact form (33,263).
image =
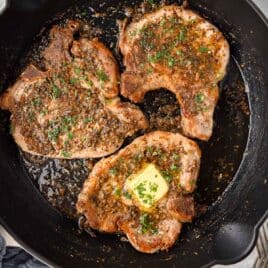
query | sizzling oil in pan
(61,180)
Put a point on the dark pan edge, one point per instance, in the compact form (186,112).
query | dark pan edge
(247,251)
(256,228)
(228,261)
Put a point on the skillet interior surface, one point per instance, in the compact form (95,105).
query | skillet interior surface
(57,239)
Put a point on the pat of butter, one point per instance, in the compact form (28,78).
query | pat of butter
(147,186)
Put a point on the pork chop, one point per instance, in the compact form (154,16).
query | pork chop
(176,49)
(144,190)
(71,110)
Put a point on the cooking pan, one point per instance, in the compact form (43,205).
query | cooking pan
(233,179)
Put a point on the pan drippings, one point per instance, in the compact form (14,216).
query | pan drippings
(60,181)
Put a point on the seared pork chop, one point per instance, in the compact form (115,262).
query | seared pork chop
(71,110)
(144,190)
(176,49)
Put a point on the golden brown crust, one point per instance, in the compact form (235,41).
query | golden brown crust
(176,49)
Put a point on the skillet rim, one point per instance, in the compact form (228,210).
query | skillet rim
(216,261)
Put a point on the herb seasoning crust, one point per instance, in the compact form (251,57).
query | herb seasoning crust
(176,49)
(71,110)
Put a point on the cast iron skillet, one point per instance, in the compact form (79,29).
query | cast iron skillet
(227,232)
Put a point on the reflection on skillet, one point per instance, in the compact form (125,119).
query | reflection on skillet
(61,180)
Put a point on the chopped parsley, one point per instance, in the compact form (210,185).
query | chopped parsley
(117,192)
(88,120)
(199,98)
(68,120)
(65,153)
(74,81)
(167,176)
(171,62)
(70,135)
(175,156)
(113,171)
(54,133)
(44,112)
(63,125)
(149,149)
(182,34)
(31,116)
(174,168)
(137,157)
(77,70)
(146,224)
(36,102)
(199,101)
(127,195)
(146,191)
(56,92)
(147,38)
(203,49)
(11,128)
(102,76)
(89,83)
(153,187)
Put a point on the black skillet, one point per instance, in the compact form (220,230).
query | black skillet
(233,179)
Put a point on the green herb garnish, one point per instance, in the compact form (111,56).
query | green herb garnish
(171,62)
(113,171)
(36,102)
(149,149)
(102,76)
(146,224)
(56,92)
(167,176)
(65,153)
(73,80)
(88,120)
(77,70)
(153,187)
(182,34)
(54,134)
(199,98)
(127,195)
(203,49)
(151,2)
(174,168)
(70,135)
(117,192)
(175,156)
